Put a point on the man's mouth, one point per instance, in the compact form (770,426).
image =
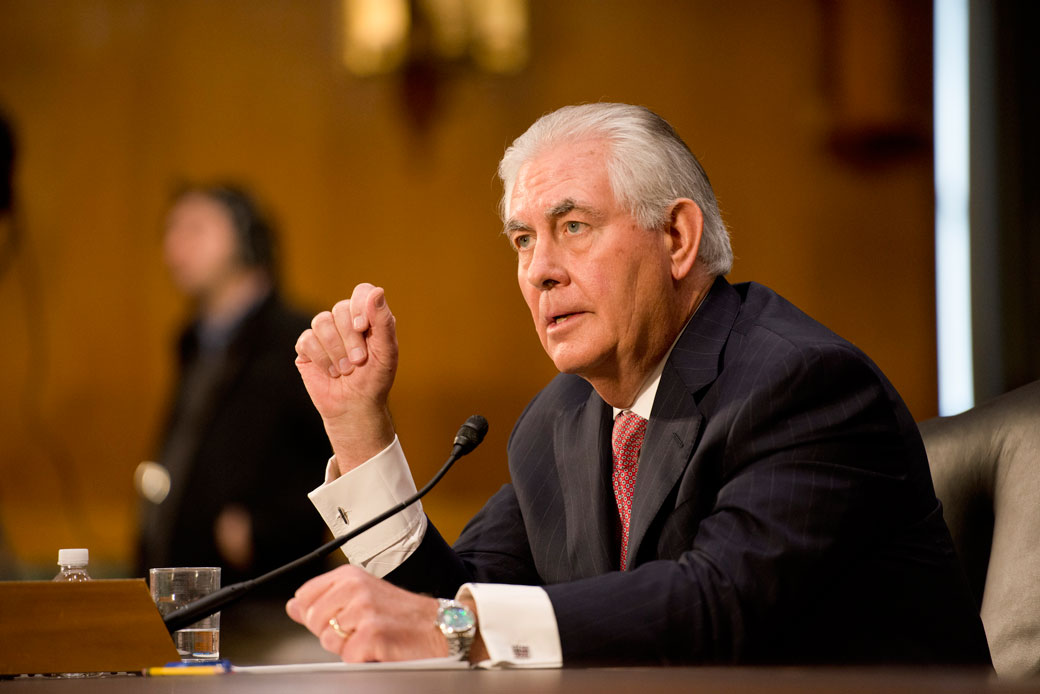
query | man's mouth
(561,318)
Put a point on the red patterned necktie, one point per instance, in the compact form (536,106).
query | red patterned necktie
(629,429)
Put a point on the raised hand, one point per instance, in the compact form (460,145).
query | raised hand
(348,359)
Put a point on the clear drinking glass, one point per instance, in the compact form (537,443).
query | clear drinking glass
(173,588)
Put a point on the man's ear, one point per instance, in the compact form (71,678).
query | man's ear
(685,226)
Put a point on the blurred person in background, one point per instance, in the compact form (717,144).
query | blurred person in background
(240,416)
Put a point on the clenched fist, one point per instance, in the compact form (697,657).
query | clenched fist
(348,359)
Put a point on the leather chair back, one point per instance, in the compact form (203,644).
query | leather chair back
(986,468)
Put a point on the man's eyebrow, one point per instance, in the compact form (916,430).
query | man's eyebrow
(568,205)
(560,209)
(515,225)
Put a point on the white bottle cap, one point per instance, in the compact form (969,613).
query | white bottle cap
(73,557)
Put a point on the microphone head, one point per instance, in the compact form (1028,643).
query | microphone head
(471,434)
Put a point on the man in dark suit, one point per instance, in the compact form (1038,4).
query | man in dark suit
(713,477)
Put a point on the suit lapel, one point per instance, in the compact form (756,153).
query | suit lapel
(582,452)
(675,420)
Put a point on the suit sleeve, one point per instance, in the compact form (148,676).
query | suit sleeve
(492,548)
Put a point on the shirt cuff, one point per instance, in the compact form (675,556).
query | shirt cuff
(376,485)
(517,623)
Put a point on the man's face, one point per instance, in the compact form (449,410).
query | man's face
(598,285)
(199,245)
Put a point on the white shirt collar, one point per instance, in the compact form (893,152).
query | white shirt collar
(644,402)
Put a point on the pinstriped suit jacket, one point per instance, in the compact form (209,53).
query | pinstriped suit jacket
(783,510)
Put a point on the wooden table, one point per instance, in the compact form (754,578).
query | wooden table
(711,680)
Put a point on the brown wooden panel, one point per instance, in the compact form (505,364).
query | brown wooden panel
(94,626)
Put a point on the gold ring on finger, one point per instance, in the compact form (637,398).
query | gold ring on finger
(337,628)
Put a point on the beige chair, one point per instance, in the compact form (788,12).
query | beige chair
(986,467)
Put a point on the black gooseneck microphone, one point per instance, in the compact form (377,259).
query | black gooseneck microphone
(468,437)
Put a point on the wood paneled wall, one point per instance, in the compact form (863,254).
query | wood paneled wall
(116,100)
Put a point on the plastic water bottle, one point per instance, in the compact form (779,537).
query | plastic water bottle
(73,563)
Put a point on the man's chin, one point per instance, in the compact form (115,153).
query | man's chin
(570,364)
(564,365)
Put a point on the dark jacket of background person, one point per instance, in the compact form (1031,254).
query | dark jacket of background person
(255,446)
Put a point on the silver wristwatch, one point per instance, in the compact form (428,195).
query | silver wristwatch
(459,626)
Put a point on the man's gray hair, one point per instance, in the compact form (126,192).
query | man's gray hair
(649,167)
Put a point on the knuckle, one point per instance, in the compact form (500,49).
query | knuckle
(365,609)
(347,572)
(366,634)
(321,319)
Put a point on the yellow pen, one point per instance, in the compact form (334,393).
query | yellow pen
(217,667)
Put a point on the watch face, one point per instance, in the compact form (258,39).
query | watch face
(457,619)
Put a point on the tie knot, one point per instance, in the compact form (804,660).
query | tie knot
(629,429)
(627,420)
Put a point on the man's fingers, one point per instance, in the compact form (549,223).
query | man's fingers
(309,591)
(343,594)
(366,325)
(359,302)
(361,618)
(301,606)
(341,339)
(309,350)
(301,356)
(333,642)
(354,351)
(382,341)
(360,647)
(356,324)
(292,608)
(323,596)
(332,343)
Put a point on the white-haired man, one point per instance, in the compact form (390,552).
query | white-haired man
(713,476)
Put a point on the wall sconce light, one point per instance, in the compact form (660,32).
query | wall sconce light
(381,36)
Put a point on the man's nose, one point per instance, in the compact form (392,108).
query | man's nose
(546,268)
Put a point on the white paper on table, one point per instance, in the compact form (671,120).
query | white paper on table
(423,664)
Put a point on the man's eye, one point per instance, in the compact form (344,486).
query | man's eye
(522,241)
(573,227)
